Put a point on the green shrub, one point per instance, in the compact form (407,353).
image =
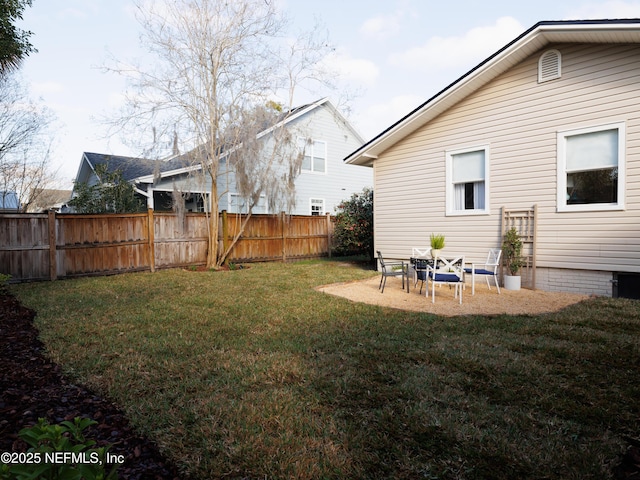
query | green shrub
(4,281)
(512,251)
(58,452)
(112,195)
(353,230)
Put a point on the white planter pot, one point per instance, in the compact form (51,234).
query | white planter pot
(512,282)
(435,253)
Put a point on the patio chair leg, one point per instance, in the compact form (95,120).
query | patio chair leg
(473,282)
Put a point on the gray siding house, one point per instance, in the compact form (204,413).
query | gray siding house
(551,120)
(324,180)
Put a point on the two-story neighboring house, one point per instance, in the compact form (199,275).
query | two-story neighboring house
(323,135)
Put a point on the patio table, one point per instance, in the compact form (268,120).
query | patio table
(419,264)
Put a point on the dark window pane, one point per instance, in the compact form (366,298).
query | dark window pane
(593,186)
(468,196)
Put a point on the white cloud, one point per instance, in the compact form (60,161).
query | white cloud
(373,120)
(382,26)
(461,51)
(79,9)
(353,70)
(606,10)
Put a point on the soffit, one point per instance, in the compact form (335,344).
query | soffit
(510,55)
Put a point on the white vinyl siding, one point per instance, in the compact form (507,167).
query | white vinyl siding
(591,168)
(237,204)
(341,179)
(520,119)
(315,155)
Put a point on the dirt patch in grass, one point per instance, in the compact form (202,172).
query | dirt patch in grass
(484,302)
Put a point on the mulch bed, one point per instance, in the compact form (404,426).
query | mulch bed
(33,387)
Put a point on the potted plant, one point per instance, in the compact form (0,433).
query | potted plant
(512,254)
(437,244)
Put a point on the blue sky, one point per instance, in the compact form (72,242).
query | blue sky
(395,53)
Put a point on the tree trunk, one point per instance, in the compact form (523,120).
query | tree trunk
(214,224)
(228,245)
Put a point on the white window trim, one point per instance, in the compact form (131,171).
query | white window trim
(311,203)
(306,141)
(232,195)
(561,200)
(450,202)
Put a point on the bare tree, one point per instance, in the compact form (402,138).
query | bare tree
(25,143)
(217,68)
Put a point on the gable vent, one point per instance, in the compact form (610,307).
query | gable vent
(549,66)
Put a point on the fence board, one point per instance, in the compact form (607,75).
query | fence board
(50,246)
(180,241)
(25,250)
(100,244)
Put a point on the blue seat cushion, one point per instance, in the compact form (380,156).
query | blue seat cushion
(479,271)
(444,277)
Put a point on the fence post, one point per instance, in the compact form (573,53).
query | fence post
(284,236)
(53,260)
(329,233)
(151,234)
(225,232)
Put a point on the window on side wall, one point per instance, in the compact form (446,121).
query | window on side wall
(591,168)
(468,181)
(317,206)
(315,155)
(237,204)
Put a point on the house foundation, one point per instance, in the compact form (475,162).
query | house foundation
(587,282)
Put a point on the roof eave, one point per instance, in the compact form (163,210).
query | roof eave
(520,48)
(168,173)
(292,117)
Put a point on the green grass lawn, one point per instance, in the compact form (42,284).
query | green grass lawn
(252,373)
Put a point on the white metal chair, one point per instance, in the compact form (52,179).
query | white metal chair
(419,258)
(446,272)
(396,269)
(420,267)
(488,269)
(420,252)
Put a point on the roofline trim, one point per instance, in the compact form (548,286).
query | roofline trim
(525,38)
(167,173)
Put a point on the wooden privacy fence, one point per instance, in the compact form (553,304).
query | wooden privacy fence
(50,246)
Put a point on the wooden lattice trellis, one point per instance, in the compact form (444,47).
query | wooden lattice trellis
(525,222)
